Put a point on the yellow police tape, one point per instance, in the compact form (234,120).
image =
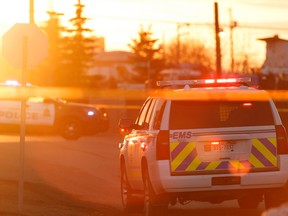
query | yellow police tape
(113,95)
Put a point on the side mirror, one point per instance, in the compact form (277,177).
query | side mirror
(125,126)
(125,123)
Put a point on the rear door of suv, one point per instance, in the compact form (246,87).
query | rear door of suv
(222,137)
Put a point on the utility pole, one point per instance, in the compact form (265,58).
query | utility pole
(217,39)
(31,12)
(232,25)
(178,45)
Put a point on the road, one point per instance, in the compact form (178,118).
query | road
(87,170)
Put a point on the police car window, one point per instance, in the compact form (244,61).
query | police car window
(36,99)
(211,114)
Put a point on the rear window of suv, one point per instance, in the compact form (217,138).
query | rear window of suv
(215,114)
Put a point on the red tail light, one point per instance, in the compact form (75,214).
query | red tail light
(282,142)
(162,146)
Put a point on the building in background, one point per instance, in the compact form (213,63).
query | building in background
(274,71)
(111,67)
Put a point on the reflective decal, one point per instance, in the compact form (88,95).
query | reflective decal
(36,113)
(184,157)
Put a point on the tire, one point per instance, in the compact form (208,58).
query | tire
(153,205)
(248,202)
(130,202)
(70,129)
(275,198)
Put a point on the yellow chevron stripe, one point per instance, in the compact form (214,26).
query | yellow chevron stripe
(273,141)
(173,145)
(236,164)
(182,155)
(240,165)
(213,165)
(255,162)
(193,166)
(264,151)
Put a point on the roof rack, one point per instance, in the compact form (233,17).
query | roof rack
(238,81)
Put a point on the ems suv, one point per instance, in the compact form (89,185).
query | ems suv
(204,140)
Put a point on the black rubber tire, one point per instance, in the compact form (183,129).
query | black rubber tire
(152,205)
(130,202)
(276,197)
(248,203)
(70,128)
(272,201)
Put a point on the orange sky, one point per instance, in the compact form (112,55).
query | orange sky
(119,20)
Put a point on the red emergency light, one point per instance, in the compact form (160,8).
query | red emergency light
(247,104)
(203,82)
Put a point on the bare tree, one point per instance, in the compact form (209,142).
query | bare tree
(191,51)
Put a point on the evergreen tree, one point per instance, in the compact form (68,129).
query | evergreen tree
(47,73)
(54,30)
(148,55)
(78,50)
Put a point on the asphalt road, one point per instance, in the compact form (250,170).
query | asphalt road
(87,170)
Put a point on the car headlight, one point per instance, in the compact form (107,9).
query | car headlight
(91,113)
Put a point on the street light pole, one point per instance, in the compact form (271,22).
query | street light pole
(178,45)
(217,39)
(233,24)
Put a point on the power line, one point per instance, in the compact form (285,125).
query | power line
(155,21)
(252,26)
(275,4)
(259,27)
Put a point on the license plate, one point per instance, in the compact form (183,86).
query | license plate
(222,147)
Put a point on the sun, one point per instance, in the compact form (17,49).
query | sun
(12,12)
(18,11)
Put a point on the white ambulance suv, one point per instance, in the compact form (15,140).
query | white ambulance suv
(205,140)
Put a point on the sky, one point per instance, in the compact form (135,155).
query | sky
(119,20)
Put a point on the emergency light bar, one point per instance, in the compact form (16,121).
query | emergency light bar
(203,82)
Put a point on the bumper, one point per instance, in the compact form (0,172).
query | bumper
(163,182)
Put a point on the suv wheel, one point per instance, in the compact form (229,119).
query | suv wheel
(276,197)
(130,203)
(153,205)
(248,203)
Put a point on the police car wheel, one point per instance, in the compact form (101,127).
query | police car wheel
(130,203)
(70,129)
